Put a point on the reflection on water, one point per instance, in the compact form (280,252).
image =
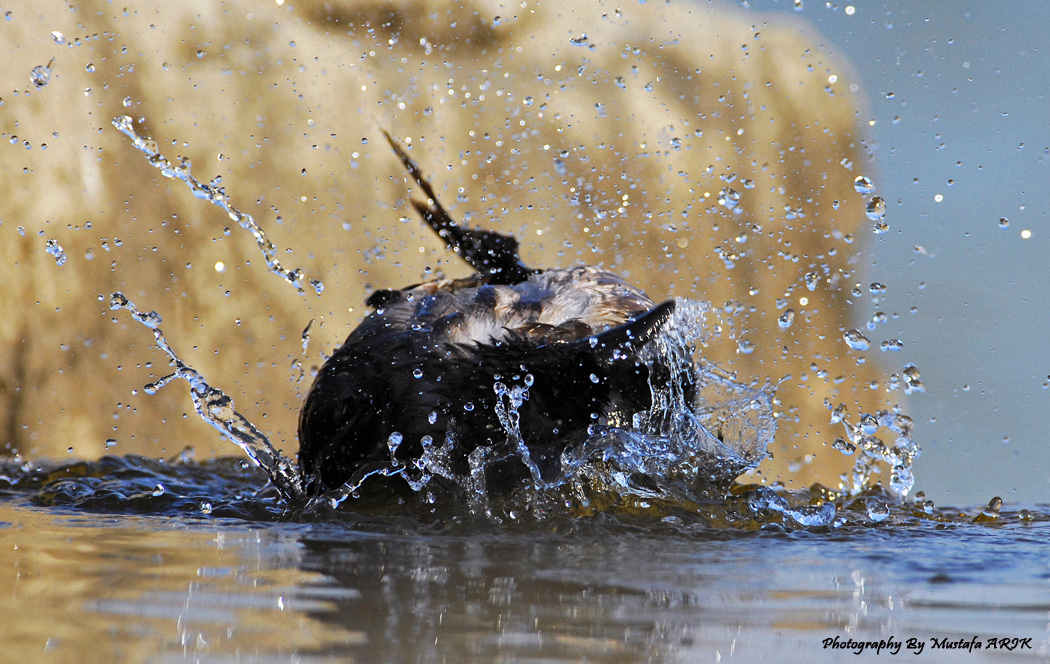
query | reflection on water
(127,549)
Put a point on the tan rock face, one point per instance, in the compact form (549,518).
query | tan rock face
(699,152)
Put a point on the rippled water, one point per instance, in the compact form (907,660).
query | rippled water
(132,559)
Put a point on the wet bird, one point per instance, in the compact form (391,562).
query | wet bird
(425,366)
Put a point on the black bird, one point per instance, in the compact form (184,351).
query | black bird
(426,360)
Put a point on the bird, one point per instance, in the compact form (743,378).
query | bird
(427,364)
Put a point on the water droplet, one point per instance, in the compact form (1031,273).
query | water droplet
(876,209)
(786,319)
(839,413)
(811,280)
(1004,222)
(432,417)
(745,347)
(878,510)
(991,512)
(158,490)
(892,345)
(90,68)
(579,41)
(863,185)
(127,102)
(728,198)
(206,507)
(844,446)
(55,249)
(594,379)
(912,383)
(394,442)
(118,301)
(799,6)
(417,373)
(855,340)
(58,37)
(469,406)
(41,74)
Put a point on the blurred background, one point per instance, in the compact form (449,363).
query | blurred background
(641,111)
(959,95)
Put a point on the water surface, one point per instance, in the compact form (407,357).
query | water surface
(208,567)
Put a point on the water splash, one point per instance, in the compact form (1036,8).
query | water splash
(700,433)
(871,450)
(765,500)
(214,193)
(218,410)
(55,249)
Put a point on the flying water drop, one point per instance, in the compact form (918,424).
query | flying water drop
(912,383)
(876,209)
(214,193)
(728,198)
(41,74)
(55,249)
(878,510)
(892,345)
(863,185)
(856,340)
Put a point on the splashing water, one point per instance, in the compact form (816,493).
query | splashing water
(217,408)
(214,193)
(668,456)
(55,249)
(872,450)
(702,431)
